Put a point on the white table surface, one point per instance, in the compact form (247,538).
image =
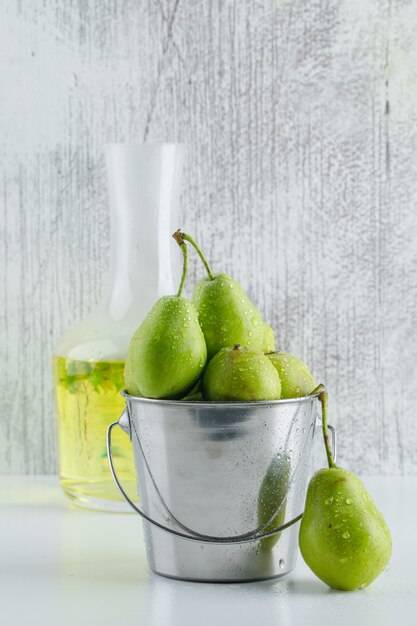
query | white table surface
(61,565)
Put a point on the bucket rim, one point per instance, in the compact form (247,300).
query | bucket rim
(219,405)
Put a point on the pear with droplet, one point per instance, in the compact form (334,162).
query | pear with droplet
(130,379)
(240,374)
(296,379)
(272,498)
(226,314)
(168,352)
(269,339)
(343,537)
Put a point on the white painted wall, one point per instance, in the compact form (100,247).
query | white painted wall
(301,181)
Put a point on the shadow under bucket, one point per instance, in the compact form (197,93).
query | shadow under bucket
(214,479)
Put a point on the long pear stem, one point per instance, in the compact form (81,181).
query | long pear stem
(180,236)
(183,247)
(323,399)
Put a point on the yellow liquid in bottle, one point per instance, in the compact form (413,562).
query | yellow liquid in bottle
(87,396)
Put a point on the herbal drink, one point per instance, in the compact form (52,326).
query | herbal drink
(87,395)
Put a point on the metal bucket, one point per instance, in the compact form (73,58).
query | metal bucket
(222,485)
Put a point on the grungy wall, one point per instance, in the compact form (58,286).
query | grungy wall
(301,181)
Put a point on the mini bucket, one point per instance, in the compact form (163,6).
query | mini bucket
(221,485)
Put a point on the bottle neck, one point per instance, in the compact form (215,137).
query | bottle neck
(144,183)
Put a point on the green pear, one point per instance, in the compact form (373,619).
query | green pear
(272,498)
(343,537)
(269,339)
(240,374)
(296,378)
(130,382)
(168,352)
(226,314)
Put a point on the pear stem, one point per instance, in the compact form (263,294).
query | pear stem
(180,234)
(323,397)
(183,247)
(318,390)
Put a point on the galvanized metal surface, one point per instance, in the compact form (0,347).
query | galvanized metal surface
(215,477)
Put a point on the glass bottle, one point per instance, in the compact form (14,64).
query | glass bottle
(88,361)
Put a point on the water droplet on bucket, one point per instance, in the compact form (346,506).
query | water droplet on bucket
(281,563)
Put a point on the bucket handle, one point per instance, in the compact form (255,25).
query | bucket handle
(124,424)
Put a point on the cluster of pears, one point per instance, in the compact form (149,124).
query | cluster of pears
(343,537)
(218,348)
(215,348)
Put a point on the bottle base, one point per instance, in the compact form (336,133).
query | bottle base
(93,502)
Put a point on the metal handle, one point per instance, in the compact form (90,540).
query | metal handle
(244,538)
(334,441)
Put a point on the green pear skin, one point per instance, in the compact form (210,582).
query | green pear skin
(226,315)
(273,497)
(240,374)
(168,352)
(269,339)
(343,537)
(296,379)
(130,380)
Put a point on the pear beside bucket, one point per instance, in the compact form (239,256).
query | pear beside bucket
(222,485)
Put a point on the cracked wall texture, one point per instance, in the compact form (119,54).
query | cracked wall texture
(301,181)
